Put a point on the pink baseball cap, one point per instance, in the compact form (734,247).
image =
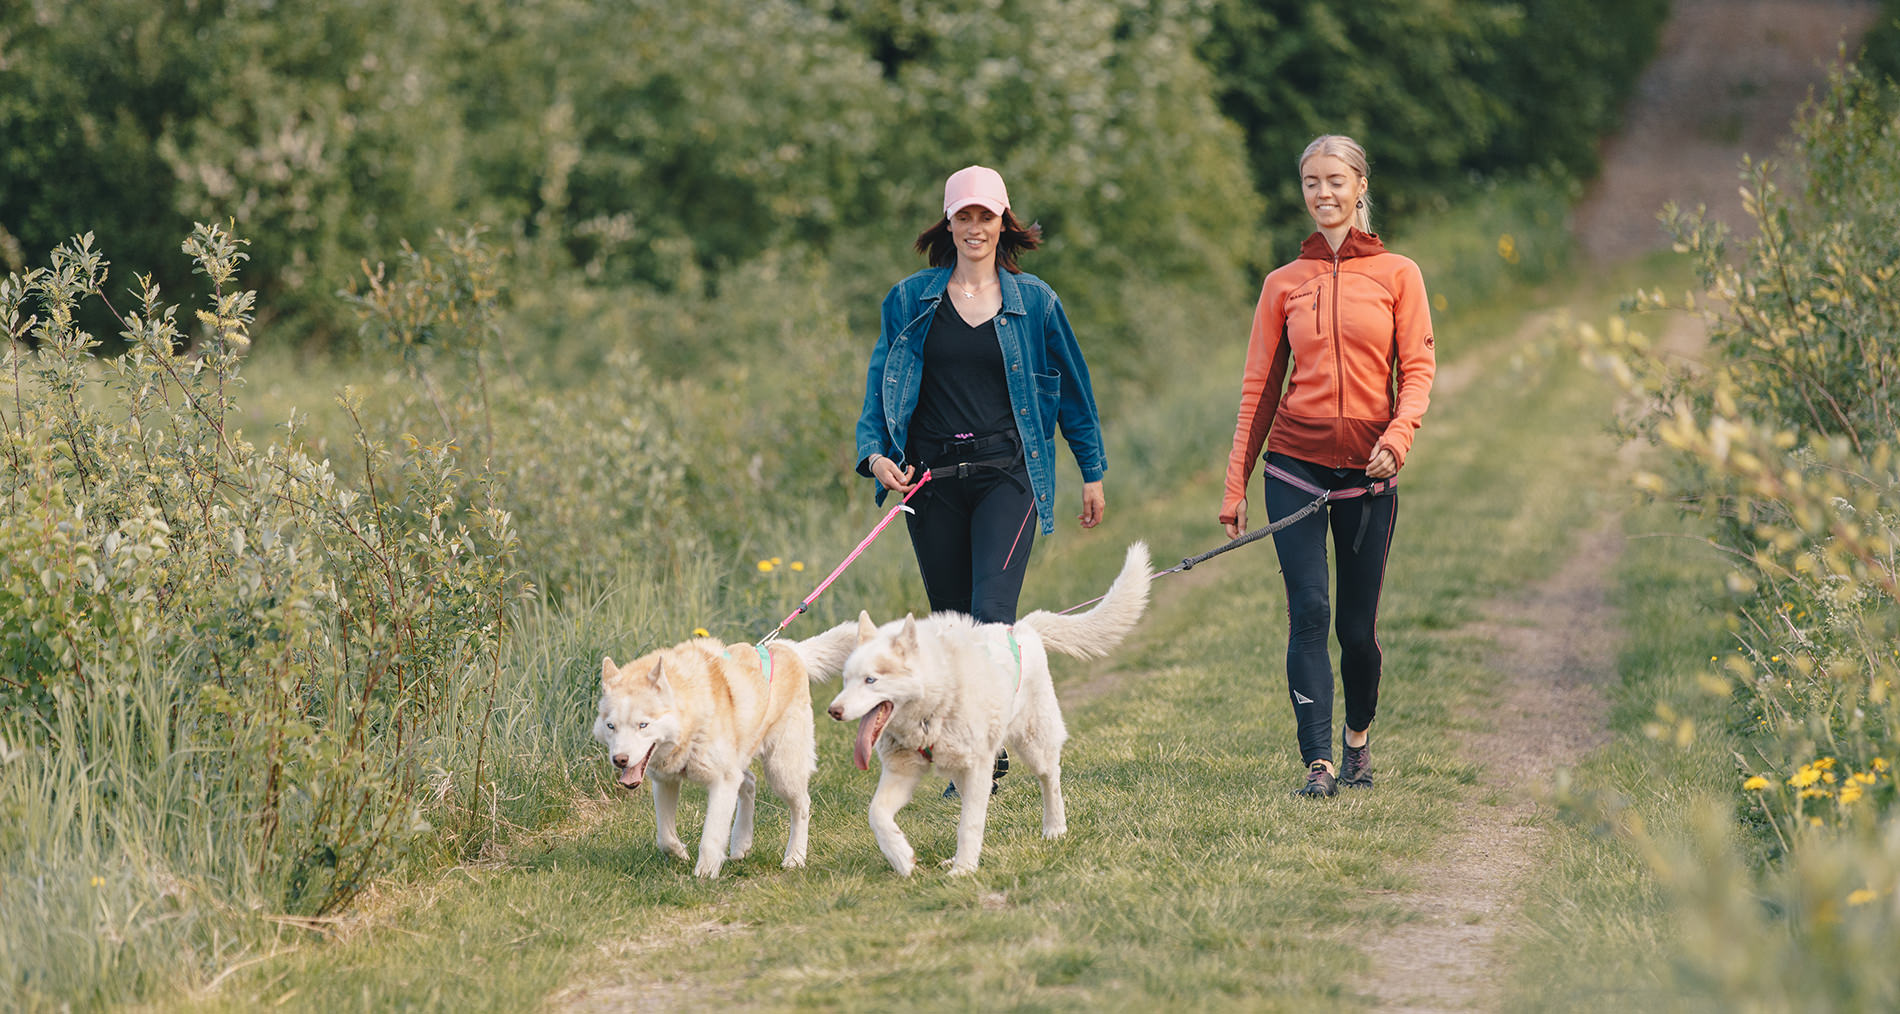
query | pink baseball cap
(975,185)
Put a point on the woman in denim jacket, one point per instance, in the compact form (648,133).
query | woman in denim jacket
(975,368)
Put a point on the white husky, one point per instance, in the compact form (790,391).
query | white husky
(950,692)
(702,711)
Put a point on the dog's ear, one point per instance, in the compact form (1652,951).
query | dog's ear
(658,676)
(907,638)
(607,668)
(866,629)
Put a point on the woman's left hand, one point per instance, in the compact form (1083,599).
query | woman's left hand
(1384,465)
(1094,503)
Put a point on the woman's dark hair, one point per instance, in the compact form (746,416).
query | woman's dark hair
(940,247)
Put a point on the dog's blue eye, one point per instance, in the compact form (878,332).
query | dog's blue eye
(870,679)
(610,726)
(643,725)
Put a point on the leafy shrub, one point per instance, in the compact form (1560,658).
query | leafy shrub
(1785,442)
(312,636)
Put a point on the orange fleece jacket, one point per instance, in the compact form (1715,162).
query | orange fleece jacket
(1357,331)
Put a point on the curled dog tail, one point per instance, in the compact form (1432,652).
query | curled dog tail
(1099,630)
(825,653)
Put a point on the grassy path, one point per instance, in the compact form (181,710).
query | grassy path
(1190,879)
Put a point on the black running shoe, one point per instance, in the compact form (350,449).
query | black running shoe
(1355,768)
(1319,781)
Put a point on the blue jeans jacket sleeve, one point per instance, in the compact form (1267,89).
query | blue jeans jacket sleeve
(873,432)
(1081,425)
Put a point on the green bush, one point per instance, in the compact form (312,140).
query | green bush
(312,635)
(1785,442)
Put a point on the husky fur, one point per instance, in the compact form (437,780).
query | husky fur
(949,692)
(701,711)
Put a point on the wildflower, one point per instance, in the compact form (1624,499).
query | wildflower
(1815,793)
(1824,763)
(1861,897)
(1814,822)
(765,566)
(798,565)
(1755,783)
(1507,248)
(776,561)
(701,632)
(1864,778)
(98,881)
(1850,793)
(1805,777)
(1880,764)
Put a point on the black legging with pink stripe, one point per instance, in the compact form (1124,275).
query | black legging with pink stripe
(1365,522)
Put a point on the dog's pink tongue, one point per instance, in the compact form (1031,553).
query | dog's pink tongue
(633,774)
(868,727)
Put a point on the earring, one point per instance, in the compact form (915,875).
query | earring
(1362,203)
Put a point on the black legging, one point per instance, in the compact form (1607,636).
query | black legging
(972,535)
(1302,551)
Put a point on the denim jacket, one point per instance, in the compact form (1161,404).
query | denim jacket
(1048,381)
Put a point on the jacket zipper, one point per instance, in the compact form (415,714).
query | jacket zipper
(1339,365)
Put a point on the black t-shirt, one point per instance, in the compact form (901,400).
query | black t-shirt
(963,390)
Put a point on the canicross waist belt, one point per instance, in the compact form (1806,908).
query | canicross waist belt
(1377,487)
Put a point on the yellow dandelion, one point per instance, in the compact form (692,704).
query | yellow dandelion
(1880,763)
(1805,777)
(1828,777)
(1815,822)
(1864,778)
(1850,793)
(1824,763)
(776,561)
(798,565)
(1815,793)
(701,632)
(1861,897)
(1755,783)
(98,881)
(765,566)
(1774,658)
(1507,248)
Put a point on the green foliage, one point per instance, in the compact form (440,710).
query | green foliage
(315,128)
(1786,445)
(316,634)
(1435,91)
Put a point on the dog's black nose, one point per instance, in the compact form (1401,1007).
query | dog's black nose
(835,712)
(620,760)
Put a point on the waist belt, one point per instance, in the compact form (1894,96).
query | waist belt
(959,457)
(1377,487)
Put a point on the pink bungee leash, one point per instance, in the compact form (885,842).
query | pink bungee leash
(855,553)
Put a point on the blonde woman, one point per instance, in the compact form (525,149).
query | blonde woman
(1338,376)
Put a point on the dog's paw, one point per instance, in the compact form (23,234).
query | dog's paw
(740,851)
(676,849)
(1056,831)
(905,866)
(957,867)
(794,862)
(708,868)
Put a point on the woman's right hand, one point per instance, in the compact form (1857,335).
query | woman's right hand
(1239,525)
(886,472)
